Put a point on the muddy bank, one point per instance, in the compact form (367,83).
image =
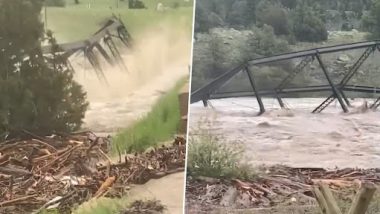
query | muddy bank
(295,138)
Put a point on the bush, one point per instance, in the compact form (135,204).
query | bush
(266,43)
(55,3)
(207,157)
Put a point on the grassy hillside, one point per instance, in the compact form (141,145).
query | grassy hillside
(159,125)
(74,22)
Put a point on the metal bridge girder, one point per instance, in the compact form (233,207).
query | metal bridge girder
(298,69)
(94,61)
(347,77)
(253,85)
(208,91)
(331,83)
(114,51)
(112,25)
(104,53)
(376,103)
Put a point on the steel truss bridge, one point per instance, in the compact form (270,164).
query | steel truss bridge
(100,43)
(210,90)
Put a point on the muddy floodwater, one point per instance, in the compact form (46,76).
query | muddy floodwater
(293,137)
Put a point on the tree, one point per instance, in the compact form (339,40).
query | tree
(238,14)
(274,15)
(371,22)
(76,1)
(36,94)
(308,25)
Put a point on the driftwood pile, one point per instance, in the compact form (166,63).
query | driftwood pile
(64,171)
(277,185)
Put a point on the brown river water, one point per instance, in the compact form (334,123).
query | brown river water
(293,137)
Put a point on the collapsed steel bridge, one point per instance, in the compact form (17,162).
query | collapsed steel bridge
(101,42)
(209,91)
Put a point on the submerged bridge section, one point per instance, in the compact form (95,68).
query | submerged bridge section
(103,42)
(209,91)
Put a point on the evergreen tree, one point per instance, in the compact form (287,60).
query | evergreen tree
(36,94)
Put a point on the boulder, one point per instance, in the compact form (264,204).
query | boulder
(343,58)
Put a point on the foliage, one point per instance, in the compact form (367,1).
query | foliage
(159,125)
(224,13)
(208,157)
(266,43)
(371,22)
(274,15)
(223,49)
(36,95)
(308,25)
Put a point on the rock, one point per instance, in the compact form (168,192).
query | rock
(343,58)
(348,66)
(244,201)
(264,124)
(213,191)
(364,107)
(335,135)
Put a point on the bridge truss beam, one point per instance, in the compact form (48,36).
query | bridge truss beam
(210,90)
(113,25)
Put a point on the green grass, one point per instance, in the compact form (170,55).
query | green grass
(159,125)
(102,206)
(77,22)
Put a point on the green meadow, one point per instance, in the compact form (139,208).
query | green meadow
(75,22)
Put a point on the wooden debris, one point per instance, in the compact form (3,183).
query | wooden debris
(363,198)
(66,170)
(281,185)
(104,187)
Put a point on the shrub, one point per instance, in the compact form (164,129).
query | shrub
(208,157)
(266,43)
